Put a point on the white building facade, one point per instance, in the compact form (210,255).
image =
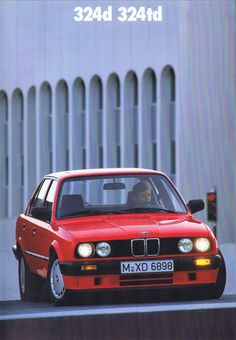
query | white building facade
(94,94)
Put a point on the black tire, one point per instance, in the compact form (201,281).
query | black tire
(29,283)
(58,294)
(215,291)
(219,287)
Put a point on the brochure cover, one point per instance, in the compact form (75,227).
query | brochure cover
(117,169)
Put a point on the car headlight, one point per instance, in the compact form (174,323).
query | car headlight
(85,249)
(185,245)
(202,244)
(103,249)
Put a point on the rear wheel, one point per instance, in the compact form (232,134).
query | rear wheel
(57,292)
(29,283)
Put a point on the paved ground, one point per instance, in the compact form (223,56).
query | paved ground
(10,310)
(138,318)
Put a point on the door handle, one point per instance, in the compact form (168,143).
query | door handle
(34,230)
(24,226)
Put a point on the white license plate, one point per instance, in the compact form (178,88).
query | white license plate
(147,266)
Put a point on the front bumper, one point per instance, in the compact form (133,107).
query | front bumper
(16,251)
(108,275)
(113,267)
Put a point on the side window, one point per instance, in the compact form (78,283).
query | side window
(50,196)
(40,195)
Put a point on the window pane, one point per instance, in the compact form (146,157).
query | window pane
(51,194)
(42,193)
(114,193)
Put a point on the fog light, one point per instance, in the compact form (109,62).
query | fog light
(202,262)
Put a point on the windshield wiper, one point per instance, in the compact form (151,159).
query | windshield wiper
(168,210)
(139,210)
(147,209)
(92,212)
(100,212)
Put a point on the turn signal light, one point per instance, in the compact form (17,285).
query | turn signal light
(89,267)
(202,262)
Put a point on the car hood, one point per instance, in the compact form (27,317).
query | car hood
(110,227)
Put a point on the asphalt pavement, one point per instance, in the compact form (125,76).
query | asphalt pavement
(10,310)
(138,317)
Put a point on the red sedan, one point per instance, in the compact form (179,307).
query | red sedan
(115,229)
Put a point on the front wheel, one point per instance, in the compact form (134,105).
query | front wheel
(219,286)
(215,291)
(57,292)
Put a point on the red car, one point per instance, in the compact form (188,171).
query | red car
(120,229)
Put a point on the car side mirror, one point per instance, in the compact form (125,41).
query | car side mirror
(41,213)
(195,205)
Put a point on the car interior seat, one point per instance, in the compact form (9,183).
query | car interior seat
(71,204)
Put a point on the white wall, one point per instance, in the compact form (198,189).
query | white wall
(8,264)
(207,109)
(50,45)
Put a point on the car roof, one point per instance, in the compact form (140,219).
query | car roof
(101,171)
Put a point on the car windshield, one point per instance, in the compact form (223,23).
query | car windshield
(118,194)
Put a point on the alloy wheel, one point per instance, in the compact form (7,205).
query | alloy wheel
(56,281)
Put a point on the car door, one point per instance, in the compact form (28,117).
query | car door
(43,234)
(33,244)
